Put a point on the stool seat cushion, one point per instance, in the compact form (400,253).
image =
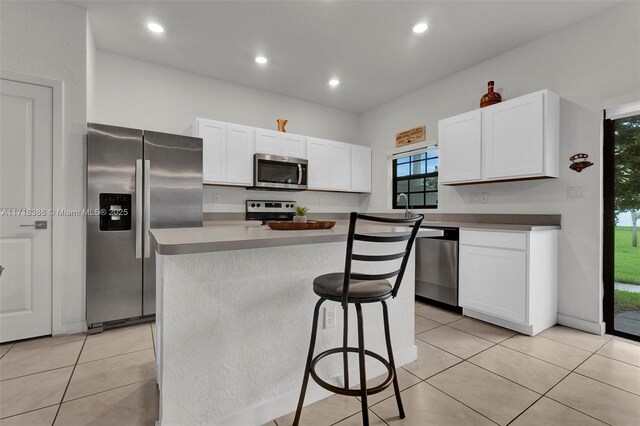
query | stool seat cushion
(331,285)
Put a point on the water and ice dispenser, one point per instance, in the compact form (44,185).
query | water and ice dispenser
(115,212)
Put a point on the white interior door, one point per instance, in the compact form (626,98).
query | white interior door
(26,118)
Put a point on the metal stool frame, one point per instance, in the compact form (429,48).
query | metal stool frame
(344,299)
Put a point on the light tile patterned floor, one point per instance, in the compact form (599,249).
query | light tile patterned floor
(102,379)
(467,373)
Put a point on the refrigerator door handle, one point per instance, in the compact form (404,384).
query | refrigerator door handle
(147,204)
(138,208)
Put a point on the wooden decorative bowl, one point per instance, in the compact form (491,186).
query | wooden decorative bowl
(291,226)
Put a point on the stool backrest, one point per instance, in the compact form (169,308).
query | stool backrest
(413,226)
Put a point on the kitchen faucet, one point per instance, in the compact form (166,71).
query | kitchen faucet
(407,211)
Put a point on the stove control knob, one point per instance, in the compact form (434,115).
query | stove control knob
(253,204)
(258,204)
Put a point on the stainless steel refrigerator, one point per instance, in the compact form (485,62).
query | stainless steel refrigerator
(137,180)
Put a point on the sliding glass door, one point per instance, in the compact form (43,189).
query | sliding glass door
(621,188)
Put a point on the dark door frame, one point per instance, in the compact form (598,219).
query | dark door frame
(609,222)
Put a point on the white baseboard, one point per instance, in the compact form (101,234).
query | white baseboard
(266,411)
(580,324)
(74,327)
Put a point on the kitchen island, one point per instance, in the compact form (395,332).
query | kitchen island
(234,311)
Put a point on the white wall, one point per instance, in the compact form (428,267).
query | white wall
(585,64)
(48,39)
(91,72)
(140,94)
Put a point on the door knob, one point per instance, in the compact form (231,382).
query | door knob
(39,224)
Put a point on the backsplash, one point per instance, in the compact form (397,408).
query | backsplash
(231,200)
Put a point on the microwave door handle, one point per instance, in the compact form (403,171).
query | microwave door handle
(299,174)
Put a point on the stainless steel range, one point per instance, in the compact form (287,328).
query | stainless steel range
(269,210)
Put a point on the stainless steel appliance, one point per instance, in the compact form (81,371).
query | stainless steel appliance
(138,180)
(279,173)
(437,267)
(269,210)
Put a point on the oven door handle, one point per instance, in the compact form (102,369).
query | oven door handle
(299,174)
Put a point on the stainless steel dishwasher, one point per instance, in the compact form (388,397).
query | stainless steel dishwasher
(437,266)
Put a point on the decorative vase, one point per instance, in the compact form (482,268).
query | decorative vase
(300,219)
(490,97)
(281,123)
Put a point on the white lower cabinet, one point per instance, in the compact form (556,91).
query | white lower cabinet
(509,278)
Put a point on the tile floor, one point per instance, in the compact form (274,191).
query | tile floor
(467,373)
(102,379)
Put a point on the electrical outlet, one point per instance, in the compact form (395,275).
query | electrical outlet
(216,198)
(478,198)
(574,193)
(329,316)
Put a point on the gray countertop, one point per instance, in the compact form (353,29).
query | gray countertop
(241,237)
(494,226)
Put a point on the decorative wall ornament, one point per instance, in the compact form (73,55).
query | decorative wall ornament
(579,162)
(281,123)
(490,97)
(406,137)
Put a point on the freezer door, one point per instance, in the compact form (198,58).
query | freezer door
(114,273)
(173,197)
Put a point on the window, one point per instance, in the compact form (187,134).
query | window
(417,176)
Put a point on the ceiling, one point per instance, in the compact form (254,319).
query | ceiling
(368,46)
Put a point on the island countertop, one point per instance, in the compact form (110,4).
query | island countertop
(176,241)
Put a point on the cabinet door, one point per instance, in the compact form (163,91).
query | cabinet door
(293,146)
(494,281)
(318,156)
(267,142)
(339,166)
(513,138)
(214,150)
(360,168)
(460,148)
(240,150)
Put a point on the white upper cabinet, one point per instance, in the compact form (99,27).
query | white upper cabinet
(330,166)
(227,152)
(515,139)
(339,166)
(293,146)
(459,144)
(214,149)
(280,143)
(318,156)
(360,168)
(267,142)
(513,134)
(240,150)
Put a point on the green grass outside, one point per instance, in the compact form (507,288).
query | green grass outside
(626,301)
(627,258)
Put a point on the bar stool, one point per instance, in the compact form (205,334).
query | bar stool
(359,288)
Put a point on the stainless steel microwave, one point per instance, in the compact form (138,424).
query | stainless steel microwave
(279,173)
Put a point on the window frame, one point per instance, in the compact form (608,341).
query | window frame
(395,179)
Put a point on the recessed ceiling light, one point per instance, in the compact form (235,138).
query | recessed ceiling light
(261,60)
(334,82)
(420,28)
(155,27)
